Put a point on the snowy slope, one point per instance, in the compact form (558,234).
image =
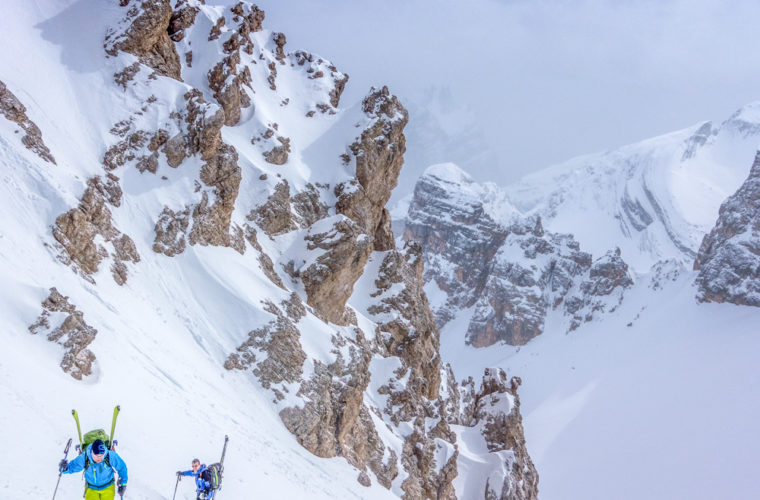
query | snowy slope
(216,223)
(163,336)
(655,199)
(664,408)
(656,398)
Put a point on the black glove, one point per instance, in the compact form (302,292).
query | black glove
(63,466)
(179,473)
(122,489)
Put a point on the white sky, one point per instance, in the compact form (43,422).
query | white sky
(547,80)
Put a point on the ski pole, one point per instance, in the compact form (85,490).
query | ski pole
(60,472)
(175,487)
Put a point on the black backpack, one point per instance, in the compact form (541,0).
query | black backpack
(213,474)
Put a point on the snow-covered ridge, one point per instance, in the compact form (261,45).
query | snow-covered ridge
(654,199)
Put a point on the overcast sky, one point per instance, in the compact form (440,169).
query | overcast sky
(547,80)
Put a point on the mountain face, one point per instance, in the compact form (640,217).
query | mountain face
(655,199)
(729,270)
(199,189)
(501,267)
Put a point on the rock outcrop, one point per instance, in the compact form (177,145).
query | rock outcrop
(144,32)
(729,257)
(76,231)
(602,291)
(347,242)
(510,272)
(494,410)
(13,110)
(64,324)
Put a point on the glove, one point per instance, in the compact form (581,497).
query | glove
(63,466)
(179,473)
(122,489)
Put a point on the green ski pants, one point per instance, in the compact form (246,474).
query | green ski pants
(106,494)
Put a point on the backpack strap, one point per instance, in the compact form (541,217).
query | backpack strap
(107,460)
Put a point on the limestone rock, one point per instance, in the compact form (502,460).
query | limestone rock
(171,228)
(211,221)
(144,32)
(378,154)
(343,251)
(71,332)
(278,155)
(495,411)
(273,352)
(14,111)
(308,206)
(180,20)
(511,272)
(275,216)
(601,291)
(77,229)
(204,123)
(729,257)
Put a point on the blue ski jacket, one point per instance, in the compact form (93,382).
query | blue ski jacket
(99,476)
(202,486)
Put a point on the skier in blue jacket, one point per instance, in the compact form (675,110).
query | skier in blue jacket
(98,463)
(203,487)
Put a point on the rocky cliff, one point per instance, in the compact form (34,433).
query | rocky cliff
(228,157)
(728,257)
(505,268)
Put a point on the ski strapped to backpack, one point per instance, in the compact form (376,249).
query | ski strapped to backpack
(93,435)
(213,472)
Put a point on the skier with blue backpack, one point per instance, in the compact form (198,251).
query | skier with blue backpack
(204,488)
(99,460)
(208,479)
(98,464)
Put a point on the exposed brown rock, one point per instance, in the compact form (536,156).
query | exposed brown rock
(308,206)
(124,151)
(180,20)
(204,124)
(14,111)
(411,335)
(495,410)
(272,78)
(144,32)
(334,421)
(227,80)
(265,262)
(73,333)
(250,17)
(174,149)
(126,75)
(280,355)
(279,40)
(76,230)
(379,156)
(275,216)
(278,155)
(212,220)
(216,31)
(384,239)
(171,229)
(329,281)
(339,85)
